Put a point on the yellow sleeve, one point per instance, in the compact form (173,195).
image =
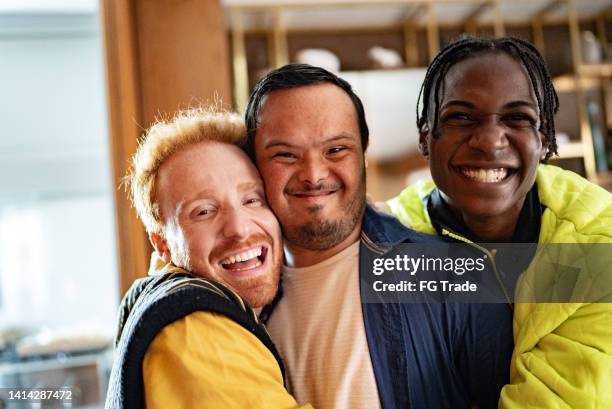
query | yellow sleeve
(206,360)
(568,368)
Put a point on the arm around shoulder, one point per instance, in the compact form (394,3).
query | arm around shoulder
(208,360)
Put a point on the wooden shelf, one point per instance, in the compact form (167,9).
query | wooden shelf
(567,83)
(570,150)
(596,70)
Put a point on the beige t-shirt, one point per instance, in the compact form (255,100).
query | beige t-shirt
(319,331)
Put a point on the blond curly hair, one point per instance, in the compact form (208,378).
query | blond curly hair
(165,138)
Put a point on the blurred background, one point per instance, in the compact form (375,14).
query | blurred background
(81,79)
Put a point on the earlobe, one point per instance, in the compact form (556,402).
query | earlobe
(545,147)
(161,247)
(423,148)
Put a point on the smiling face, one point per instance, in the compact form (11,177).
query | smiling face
(217,224)
(487,148)
(309,153)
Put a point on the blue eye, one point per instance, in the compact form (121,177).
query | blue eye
(254,202)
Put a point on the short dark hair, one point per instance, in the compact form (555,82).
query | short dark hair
(293,76)
(470,47)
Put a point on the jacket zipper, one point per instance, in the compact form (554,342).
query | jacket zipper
(490,255)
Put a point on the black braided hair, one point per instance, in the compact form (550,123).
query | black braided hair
(469,47)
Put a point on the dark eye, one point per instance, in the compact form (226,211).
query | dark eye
(458,119)
(284,155)
(335,150)
(519,120)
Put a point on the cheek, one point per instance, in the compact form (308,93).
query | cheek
(442,151)
(436,157)
(350,172)
(269,223)
(531,154)
(200,241)
(275,180)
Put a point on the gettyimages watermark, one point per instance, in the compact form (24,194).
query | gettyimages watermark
(487,273)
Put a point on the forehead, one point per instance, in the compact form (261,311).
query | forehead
(308,113)
(214,167)
(494,78)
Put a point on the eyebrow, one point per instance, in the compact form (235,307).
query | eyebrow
(250,185)
(204,193)
(192,198)
(274,143)
(459,103)
(518,104)
(509,105)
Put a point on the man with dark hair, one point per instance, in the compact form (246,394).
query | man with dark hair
(307,132)
(487,127)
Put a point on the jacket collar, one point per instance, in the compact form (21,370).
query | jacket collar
(527,228)
(383,232)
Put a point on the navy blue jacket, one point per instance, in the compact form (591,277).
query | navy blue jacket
(432,355)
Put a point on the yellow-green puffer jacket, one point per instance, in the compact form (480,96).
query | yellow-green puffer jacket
(563,352)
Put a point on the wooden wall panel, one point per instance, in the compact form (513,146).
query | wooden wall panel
(161,55)
(183,54)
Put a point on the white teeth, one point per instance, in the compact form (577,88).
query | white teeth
(485,175)
(244,256)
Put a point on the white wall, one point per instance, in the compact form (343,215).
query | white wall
(58,261)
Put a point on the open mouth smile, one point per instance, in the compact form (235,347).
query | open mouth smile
(486,175)
(249,259)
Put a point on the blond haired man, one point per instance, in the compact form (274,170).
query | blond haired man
(186,338)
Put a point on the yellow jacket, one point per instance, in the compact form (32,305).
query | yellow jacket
(200,359)
(563,352)
(206,360)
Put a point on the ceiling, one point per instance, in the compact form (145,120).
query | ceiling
(346,14)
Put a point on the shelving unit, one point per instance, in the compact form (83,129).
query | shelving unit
(421,23)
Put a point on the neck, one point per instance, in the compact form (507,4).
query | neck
(492,229)
(297,256)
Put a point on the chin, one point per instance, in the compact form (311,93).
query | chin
(258,298)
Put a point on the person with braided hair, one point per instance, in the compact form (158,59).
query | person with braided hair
(487,128)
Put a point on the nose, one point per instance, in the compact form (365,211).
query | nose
(313,169)
(489,136)
(238,224)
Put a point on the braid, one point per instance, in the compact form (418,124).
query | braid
(468,47)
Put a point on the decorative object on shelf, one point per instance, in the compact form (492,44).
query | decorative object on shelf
(599,144)
(385,58)
(591,49)
(562,138)
(389,99)
(319,57)
(609,149)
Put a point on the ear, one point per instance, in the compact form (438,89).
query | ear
(423,145)
(161,247)
(545,146)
